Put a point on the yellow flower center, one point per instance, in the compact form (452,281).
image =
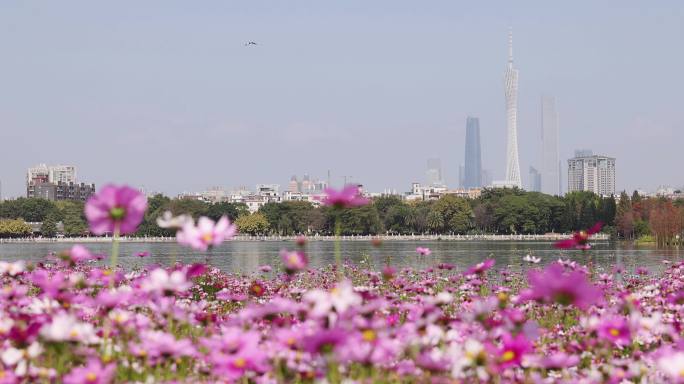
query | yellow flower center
(614,332)
(293,259)
(91,377)
(290,341)
(369,335)
(207,237)
(508,356)
(240,362)
(681,372)
(107,272)
(73,333)
(2,374)
(256,289)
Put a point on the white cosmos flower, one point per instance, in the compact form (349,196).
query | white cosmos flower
(340,298)
(531,259)
(12,269)
(672,365)
(65,327)
(161,281)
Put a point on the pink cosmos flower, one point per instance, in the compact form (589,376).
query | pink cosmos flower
(143,254)
(207,233)
(554,285)
(78,254)
(347,197)
(480,268)
(423,251)
(512,350)
(560,360)
(615,330)
(114,207)
(293,261)
(580,240)
(93,373)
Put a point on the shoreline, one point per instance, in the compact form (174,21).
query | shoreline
(542,238)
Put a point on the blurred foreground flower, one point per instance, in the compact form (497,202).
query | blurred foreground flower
(293,261)
(115,208)
(168,220)
(580,240)
(93,373)
(206,233)
(554,285)
(347,197)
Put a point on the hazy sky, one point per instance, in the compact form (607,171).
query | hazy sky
(164,94)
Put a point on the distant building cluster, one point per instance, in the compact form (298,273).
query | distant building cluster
(306,189)
(56,182)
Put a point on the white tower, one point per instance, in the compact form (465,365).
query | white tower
(511,85)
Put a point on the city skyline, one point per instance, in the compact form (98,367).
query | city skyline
(124,100)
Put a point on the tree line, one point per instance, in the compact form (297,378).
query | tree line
(496,211)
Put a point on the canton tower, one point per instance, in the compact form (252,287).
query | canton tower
(511,85)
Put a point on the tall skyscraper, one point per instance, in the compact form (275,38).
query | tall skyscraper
(473,157)
(434,172)
(550,169)
(535,180)
(511,92)
(587,172)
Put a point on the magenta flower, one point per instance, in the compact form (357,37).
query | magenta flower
(512,350)
(93,373)
(580,240)
(347,197)
(114,208)
(423,251)
(554,285)
(615,330)
(143,254)
(480,268)
(207,233)
(293,261)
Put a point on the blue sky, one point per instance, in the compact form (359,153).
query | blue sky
(164,94)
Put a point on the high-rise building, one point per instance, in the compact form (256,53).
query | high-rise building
(62,174)
(43,173)
(550,168)
(56,182)
(461,175)
(293,185)
(592,173)
(535,180)
(473,157)
(511,93)
(434,172)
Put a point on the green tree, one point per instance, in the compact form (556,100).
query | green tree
(14,228)
(254,224)
(456,213)
(49,226)
(231,210)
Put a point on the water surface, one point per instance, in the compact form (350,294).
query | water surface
(247,256)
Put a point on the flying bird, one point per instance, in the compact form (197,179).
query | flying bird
(250,43)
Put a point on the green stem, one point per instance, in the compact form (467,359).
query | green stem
(115,249)
(338,250)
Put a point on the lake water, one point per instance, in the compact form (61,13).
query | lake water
(247,256)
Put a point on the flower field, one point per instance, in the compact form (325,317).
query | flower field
(70,319)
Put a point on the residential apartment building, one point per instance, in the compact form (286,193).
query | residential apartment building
(588,172)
